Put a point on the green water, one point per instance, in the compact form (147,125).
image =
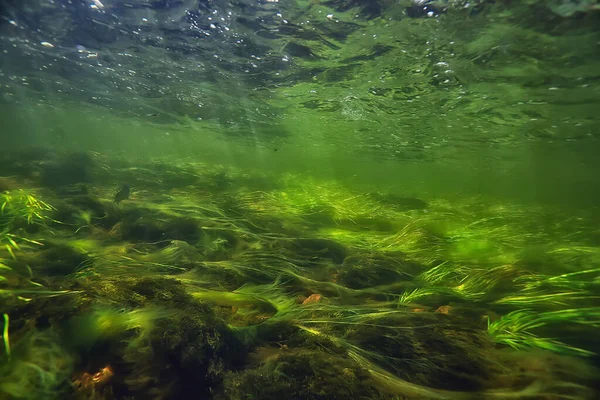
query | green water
(342,199)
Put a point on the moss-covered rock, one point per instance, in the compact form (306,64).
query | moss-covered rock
(300,375)
(361,271)
(144,226)
(319,248)
(168,345)
(56,259)
(69,169)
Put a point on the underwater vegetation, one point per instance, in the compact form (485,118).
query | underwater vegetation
(301,289)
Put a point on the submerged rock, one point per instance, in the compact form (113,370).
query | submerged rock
(301,374)
(400,202)
(322,248)
(71,169)
(365,270)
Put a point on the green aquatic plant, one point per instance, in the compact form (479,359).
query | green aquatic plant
(317,235)
(412,296)
(573,289)
(476,283)
(335,211)
(39,368)
(516,329)
(350,328)
(488,240)
(364,330)
(108,323)
(262,301)
(5,336)
(5,268)
(443,272)
(19,208)
(573,280)
(130,259)
(22,205)
(467,283)
(411,239)
(242,301)
(389,382)
(573,255)
(11,242)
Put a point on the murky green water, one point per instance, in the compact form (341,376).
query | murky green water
(344,199)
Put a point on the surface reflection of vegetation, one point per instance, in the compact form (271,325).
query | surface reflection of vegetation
(229,285)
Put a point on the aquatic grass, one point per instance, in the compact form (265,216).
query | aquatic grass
(5,336)
(477,283)
(461,282)
(34,293)
(120,265)
(342,292)
(11,243)
(282,305)
(22,205)
(330,205)
(575,254)
(545,300)
(107,321)
(128,258)
(412,296)
(445,271)
(3,267)
(17,207)
(513,285)
(37,369)
(477,230)
(412,240)
(391,383)
(324,204)
(564,290)
(385,316)
(318,319)
(210,217)
(515,328)
(569,280)
(268,257)
(266,302)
